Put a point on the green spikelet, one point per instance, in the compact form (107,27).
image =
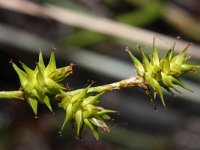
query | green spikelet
(146,62)
(92,128)
(34,105)
(79,121)
(21,74)
(156,87)
(69,115)
(46,101)
(138,66)
(155,58)
(181,58)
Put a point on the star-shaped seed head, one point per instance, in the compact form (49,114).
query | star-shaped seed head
(162,73)
(42,83)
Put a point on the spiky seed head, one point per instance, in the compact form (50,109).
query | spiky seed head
(82,108)
(162,73)
(43,82)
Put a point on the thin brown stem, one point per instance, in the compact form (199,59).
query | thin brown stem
(127,83)
(130,82)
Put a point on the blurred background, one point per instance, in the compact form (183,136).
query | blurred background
(93,34)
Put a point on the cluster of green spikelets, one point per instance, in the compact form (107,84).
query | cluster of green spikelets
(42,85)
(82,108)
(162,73)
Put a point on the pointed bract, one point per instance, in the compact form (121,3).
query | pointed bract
(92,99)
(21,74)
(51,65)
(82,94)
(68,117)
(156,87)
(34,105)
(29,71)
(41,61)
(155,58)
(166,63)
(167,81)
(176,81)
(137,64)
(180,58)
(146,62)
(79,121)
(46,101)
(92,129)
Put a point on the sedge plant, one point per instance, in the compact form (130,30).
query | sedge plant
(81,106)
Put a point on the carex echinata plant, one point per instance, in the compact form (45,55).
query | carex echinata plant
(43,85)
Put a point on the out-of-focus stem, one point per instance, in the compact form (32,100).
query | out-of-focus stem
(11,95)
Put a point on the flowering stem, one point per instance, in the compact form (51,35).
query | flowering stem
(130,82)
(11,95)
